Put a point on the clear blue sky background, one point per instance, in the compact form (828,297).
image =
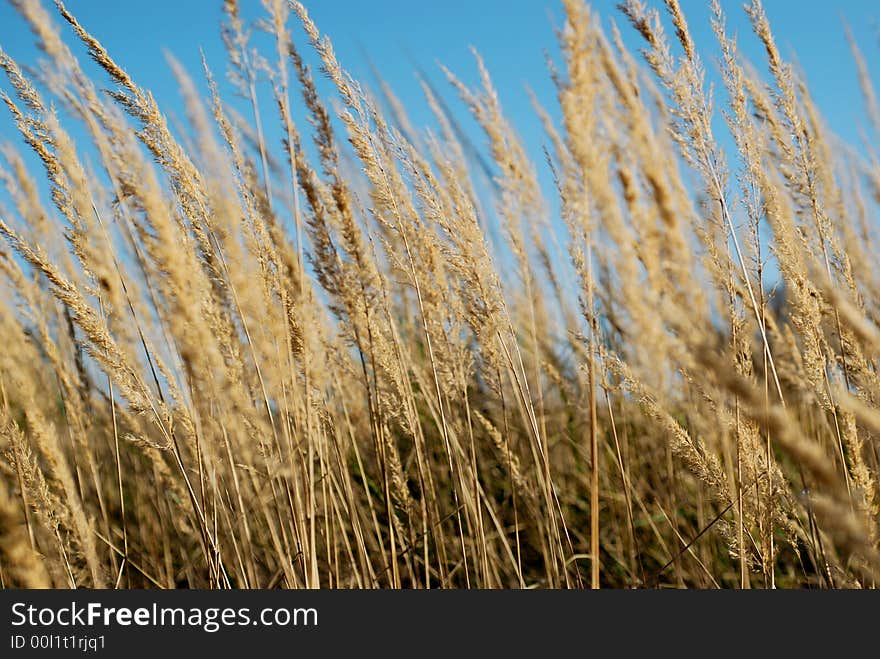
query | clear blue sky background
(512,35)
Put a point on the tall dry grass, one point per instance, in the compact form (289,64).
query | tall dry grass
(233,363)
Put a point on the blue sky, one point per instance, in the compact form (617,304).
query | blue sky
(512,36)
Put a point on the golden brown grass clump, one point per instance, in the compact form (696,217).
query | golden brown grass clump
(233,364)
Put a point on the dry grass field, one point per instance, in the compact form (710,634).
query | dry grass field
(235,362)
